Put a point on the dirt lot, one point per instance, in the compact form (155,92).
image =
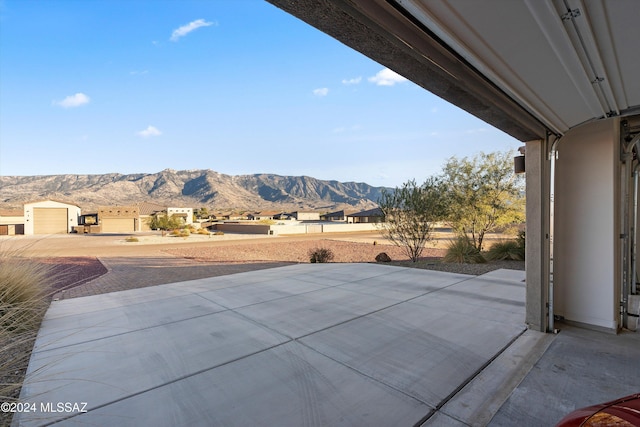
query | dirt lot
(295,251)
(76,258)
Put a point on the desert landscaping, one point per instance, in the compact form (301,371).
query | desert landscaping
(83,265)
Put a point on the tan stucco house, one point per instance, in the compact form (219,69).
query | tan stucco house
(11,222)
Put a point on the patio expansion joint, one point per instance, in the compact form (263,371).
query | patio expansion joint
(379,309)
(198,372)
(471,377)
(135,330)
(359,372)
(173,381)
(288,340)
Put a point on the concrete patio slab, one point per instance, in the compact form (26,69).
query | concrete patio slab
(289,385)
(426,352)
(324,344)
(580,368)
(90,326)
(254,293)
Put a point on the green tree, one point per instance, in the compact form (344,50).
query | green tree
(202,213)
(164,222)
(409,213)
(484,193)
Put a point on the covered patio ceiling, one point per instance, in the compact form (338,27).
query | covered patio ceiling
(525,67)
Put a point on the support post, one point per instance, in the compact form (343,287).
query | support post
(537,205)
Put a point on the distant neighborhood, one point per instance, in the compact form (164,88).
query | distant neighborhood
(59,217)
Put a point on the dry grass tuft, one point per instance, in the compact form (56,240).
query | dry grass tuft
(506,250)
(23,292)
(462,251)
(24,297)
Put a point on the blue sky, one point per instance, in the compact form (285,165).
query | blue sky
(239,87)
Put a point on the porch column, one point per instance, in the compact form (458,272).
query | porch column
(537,210)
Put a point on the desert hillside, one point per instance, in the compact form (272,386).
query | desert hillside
(193,188)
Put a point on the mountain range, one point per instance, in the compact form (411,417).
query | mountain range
(190,188)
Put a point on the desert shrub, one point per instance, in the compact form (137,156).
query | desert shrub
(15,351)
(203,231)
(218,233)
(507,250)
(131,239)
(383,257)
(22,293)
(24,296)
(174,232)
(462,251)
(184,232)
(320,255)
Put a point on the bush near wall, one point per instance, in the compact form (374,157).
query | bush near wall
(462,251)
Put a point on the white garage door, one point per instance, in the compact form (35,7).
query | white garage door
(118,225)
(50,221)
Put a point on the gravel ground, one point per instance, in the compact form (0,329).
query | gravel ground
(298,251)
(295,251)
(73,271)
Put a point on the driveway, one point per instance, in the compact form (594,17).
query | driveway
(301,345)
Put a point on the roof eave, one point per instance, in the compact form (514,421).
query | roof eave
(382,31)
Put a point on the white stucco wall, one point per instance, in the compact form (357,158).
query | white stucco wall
(10,220)
(182,211)
(73,213)
(586,230)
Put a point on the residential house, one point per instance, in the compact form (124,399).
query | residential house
(50,217)
(186,214)
(119,219)
(369,216)
(11,222)
(306,216)
(147,211)
(263,215)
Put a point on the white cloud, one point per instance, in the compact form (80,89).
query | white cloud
(149,131)
(323,91)
(138,73)
(478,130)
(386,77)
(343,129)
(186,29)
(72,101)
(353,81)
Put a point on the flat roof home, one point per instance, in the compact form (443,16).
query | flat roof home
(185,213)
(262,215)
(119,219)
(11,222)
(306,215)
(371,215)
